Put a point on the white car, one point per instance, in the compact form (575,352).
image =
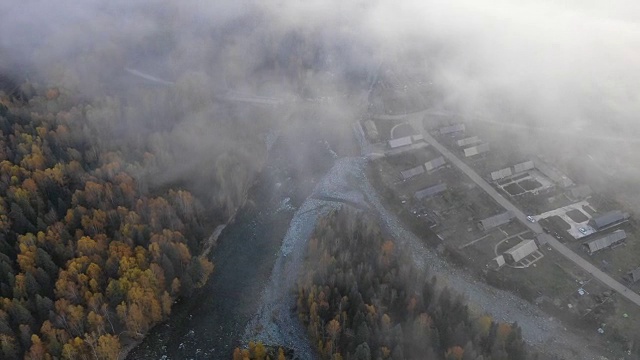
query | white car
(530,218)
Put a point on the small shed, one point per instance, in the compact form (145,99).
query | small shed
(497,262)
(633,275)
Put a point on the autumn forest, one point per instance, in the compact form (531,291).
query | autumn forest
(93,253)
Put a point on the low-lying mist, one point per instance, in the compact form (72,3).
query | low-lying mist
(567,67)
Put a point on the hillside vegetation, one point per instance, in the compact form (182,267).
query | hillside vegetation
(92,252)
(361,298)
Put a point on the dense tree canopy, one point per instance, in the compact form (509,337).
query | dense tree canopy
(89,255)
(360,298)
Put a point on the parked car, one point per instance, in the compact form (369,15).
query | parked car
(530,218)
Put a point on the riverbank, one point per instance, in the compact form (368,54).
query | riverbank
(211,323)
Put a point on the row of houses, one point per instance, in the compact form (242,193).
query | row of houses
(508,171)
(471,145)
(421,169)
(428,166)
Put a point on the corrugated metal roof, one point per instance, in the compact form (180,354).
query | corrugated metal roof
(452,129)
(607,219)
(521,250)
(501,174)
(496,220)
(527,165)
(606,241)
(403,141)
(407,174)
(430,191)
(435,163)
(468,141)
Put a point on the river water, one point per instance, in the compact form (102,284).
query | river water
(212,322)
(258,257)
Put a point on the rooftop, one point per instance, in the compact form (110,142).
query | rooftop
(496,220)
(606,241)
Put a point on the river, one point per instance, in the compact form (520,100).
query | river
(212,322)
(258,257)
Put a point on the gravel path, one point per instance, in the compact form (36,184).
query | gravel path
(346,182)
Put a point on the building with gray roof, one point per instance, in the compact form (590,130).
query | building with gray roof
(405,149)
(608,219)
(430,191)
(435,163)
(520,251)
(452,129)
(501,174)
(408,174)
(468,141)
(522,167)
(399,142)
(607,241)
(497,262)
(372,130)
(476,150)
(495,221)
(633,275)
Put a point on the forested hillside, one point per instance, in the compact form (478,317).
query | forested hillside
(91,255)
(361,298)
